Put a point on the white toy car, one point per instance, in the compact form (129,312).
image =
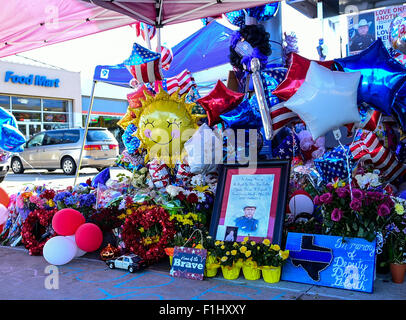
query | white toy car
(130,262)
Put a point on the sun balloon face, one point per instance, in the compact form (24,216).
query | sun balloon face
(165,122)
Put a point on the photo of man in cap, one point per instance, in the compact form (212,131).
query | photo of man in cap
(363,39)
(247,223)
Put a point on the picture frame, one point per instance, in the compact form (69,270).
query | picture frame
(251,201)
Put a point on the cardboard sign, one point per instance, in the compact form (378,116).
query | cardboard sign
(329,261)
(188,263)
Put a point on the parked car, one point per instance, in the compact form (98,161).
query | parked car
(60,149)
(130,262)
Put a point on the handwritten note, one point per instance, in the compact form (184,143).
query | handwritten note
(352,265)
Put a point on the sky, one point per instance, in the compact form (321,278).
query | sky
(114,46)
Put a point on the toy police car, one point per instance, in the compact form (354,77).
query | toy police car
(130,262)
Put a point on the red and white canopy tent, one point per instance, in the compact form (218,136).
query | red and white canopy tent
(28,25)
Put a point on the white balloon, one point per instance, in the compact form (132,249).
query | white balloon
(201,150)
(59,250)
(326,100)
(79,252)
(300,203)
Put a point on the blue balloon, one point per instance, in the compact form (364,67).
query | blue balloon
(381,76)
(245,116)
(236,18)
(101,178)
(130,142)
(270,84)
(11,139)
(265,12)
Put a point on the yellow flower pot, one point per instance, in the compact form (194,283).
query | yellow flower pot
(231,273)
(271,274)
(251,271)
(211,267)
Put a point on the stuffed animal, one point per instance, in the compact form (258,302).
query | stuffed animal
(311,149)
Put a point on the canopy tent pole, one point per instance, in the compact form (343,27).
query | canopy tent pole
(89,112)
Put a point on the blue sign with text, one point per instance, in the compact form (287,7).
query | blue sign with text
(188,263)
(330,261)
(36,80)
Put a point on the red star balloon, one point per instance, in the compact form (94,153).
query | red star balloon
(296,76)
(218,101)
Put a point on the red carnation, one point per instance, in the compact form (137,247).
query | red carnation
(181,196)
(192,198)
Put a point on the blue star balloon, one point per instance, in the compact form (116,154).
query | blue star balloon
(265,12)
(130,142)
(288,148)
(245,116)
(399,108)
(381,76)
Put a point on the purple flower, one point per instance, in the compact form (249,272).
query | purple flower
(383,210)
(358,194)
(375,196)
(316,201)
(356,205)
(342,192)
(336,215)
(326,198)
(330,186)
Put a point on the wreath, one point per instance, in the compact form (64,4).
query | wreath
(37,230)
(147,232)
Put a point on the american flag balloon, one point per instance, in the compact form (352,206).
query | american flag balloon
(144,65)
(183,81)
(142,28)
(370,149)
(166,57)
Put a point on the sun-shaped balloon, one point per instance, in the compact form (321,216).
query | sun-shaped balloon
(164,123)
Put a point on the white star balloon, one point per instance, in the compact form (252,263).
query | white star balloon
(326,100)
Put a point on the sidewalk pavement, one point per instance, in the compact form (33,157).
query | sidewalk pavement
(23,277)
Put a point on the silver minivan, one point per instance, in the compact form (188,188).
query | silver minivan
(60,149)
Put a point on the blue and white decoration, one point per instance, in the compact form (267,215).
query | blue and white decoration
(288,149)
(333,164)
(330,261)
(130,142)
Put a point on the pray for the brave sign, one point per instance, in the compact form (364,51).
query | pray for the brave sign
(188,263)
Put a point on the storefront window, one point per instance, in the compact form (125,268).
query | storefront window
(54,126)
(55,117)
(22,103)
(55,105)
(27,116)
(5,102)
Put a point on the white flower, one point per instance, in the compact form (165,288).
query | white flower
(201,196)
(197,180)
(173,191)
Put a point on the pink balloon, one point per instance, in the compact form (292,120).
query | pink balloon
(66,221)
(89,237)
(3,214)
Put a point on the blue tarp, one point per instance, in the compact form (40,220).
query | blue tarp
(205,49)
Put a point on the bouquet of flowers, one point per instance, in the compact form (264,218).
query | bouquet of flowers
(81,198)
(228,253)
(354,212)
(395,233)
(271,255)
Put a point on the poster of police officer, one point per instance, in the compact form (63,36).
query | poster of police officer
(366,27)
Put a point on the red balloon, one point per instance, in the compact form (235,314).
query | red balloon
(218,101)
(89,237)
(296,76)
(134,97)
(66,221)
(4,197)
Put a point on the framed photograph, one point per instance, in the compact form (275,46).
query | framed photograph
(251,202)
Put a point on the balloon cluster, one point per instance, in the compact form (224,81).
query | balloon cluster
(260,13)
(74,237)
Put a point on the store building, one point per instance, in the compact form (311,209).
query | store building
(40,97)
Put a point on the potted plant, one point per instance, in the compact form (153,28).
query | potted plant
(395,234)
(271,261)
(229,257)
(212,261)
(251,252)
